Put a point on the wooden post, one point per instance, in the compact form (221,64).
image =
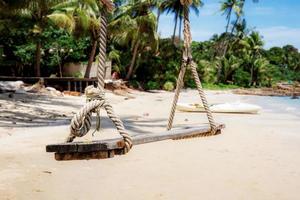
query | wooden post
(75,86)
(69,85)
(80,86)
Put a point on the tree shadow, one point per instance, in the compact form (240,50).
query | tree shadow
(31,110)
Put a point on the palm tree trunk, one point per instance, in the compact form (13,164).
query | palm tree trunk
(157,19)
(37,64)
(59,64)
(131,67)
(226,34)
(175,27)
(180,27)
(226,41)
(91,59)
(228,21)
(252,75)
(60,69)
(219,72)
(234,25)
(138,59)
(225,45)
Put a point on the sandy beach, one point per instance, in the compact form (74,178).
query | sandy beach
(256,156)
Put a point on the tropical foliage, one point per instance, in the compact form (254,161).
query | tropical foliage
(38,37)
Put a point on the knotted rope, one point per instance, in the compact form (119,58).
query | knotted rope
(187,61)
(81,122)
(102,52)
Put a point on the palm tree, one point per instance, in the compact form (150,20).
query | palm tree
(233,7)
(35,11)
(253,45)
(239,12)
(174,6)
(228,8)
(80,17)
(135,26)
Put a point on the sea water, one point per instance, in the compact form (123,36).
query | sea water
(277,104)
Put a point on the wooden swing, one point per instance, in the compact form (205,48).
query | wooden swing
(100,149)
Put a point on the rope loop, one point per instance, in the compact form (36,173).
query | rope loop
(81,122)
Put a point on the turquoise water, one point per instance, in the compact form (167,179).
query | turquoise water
(278,104)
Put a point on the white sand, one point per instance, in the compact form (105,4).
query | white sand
(256,157)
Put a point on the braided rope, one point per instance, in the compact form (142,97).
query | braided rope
(102,52)
(187,32)
(81,122)
(203,98)
(187,61)
(179,85)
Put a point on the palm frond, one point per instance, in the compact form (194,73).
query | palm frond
(62,20)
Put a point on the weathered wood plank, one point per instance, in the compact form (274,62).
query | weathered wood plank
(117,144)
(83,156)
(92,146)
(173,134)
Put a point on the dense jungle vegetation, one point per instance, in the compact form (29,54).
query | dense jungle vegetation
(38,37)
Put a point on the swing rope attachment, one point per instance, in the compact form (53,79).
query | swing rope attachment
(187,62)
(82,120)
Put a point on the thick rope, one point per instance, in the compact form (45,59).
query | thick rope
(179,85)
(203,98)
(81,122)
(187,33)
(187,61)
(183,67)
(102,52)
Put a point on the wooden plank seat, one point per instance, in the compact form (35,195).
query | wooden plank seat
(101,149)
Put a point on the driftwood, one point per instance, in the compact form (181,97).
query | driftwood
(109,148)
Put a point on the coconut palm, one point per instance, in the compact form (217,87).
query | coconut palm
(229,8)
(175,7)
(135,26)
(239,12)
(35,11)
(253,46)
(80,17)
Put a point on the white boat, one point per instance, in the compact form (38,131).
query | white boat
(220,108)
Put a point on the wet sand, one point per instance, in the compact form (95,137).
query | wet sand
(256,156)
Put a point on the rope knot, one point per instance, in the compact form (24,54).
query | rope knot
(93,93)
(81,122)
